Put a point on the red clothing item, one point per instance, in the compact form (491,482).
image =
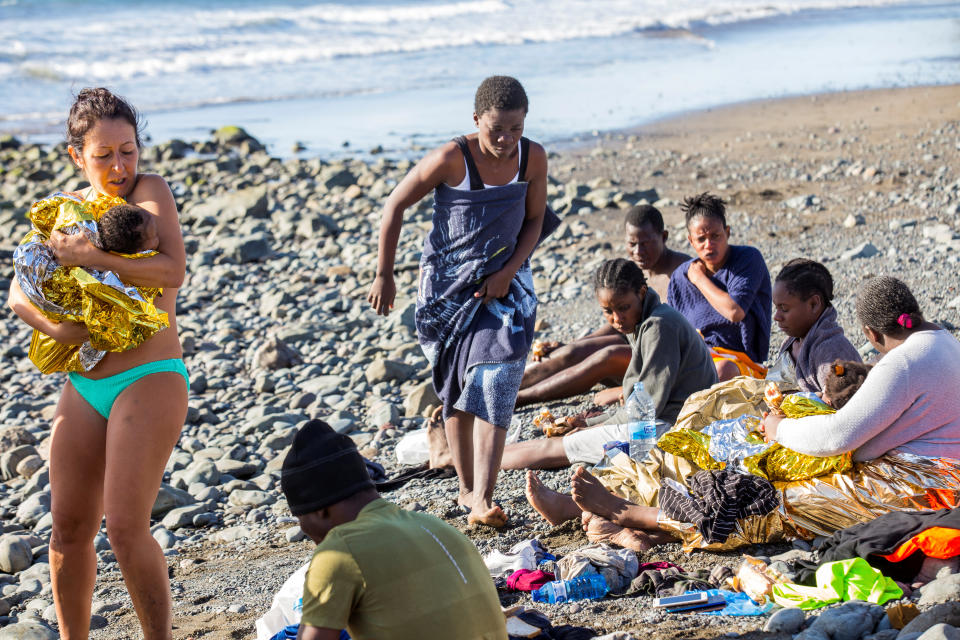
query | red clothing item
(935,542)
(528,580)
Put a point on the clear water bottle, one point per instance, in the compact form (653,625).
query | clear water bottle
(642,425)
(588,587)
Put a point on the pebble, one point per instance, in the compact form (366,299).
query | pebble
(788,620)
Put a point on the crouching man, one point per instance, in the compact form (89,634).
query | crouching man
(380,571)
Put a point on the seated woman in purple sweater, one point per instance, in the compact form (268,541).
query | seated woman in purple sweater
(724,292)
(801,300)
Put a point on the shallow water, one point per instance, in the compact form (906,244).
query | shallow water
(402,72)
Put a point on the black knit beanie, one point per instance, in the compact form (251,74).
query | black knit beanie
(322,467)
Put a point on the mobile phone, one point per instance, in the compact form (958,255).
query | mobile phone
(712,602)
(698,597)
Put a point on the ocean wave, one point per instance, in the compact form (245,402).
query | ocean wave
(212,40)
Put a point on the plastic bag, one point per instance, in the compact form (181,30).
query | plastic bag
(286,608)
(414,448)
(738,604)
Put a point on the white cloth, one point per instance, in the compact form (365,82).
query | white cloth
(910,401)
(587,445)
(523,555)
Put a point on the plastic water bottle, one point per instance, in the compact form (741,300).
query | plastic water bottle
(588,587)
(642,425)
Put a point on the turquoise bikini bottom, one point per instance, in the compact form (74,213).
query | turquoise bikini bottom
(101,394)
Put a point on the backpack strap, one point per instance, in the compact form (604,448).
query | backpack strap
(524,154)
(476,182)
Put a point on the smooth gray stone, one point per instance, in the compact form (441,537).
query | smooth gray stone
(941,631)
(27,631)
(182,517)
(169,498)
(945,589)
(786,621)
(251,498)
(15,553)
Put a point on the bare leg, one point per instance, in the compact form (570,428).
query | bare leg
(592,496)
(609,362)
(76,480)
(556,508)
(144,426)
(488,443)
(542,453)
(567,356)
(459,430)
(726,370)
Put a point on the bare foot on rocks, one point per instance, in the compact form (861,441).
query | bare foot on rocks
(492,517)
(592,496)
(602,530)
(556,508)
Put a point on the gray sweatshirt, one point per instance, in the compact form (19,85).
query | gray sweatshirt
(669,358)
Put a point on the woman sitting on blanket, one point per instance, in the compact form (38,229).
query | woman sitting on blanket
(907,402)
(724,292)
(801,298)
(563,370)
(476,306)
(668,357)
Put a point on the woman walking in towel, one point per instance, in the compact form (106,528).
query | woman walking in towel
(476,306)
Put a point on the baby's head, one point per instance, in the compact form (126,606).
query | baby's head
(843,380)
(127,228)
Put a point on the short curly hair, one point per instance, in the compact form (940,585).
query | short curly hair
(842,381)
(704,205)
(882,303)
(500,92)
(644,214)
(121,228)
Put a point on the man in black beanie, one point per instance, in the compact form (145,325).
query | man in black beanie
(379,571)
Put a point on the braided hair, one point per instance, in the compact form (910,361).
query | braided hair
(804,278)
(705,205)
(619,275)
(843,379)
(886,304)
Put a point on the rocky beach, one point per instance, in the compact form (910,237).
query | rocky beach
(276,329)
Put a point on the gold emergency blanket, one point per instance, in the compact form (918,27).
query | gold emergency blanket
(814,506)
(771,461)
(118,317)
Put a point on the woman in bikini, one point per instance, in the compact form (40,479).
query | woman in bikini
(115,425)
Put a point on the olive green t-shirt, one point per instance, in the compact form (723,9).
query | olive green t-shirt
(393,574)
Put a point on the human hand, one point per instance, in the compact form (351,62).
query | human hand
(697,271)
(382,293)
(769,425)
(496,285)
(73,250)
(543,349)
(68,332)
